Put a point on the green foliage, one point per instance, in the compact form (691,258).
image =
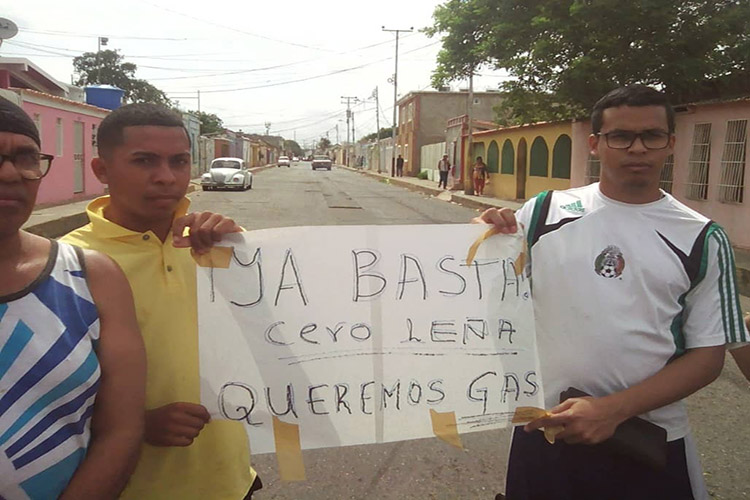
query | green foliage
(293,147)
(324,144)
(210,123)
(564,55)
(107,67)
(422,175)
(385,132)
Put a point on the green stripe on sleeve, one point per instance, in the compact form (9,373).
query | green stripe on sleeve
(729,333)
(735,309)
(538,202)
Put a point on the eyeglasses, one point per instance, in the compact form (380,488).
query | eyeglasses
(31,166)
(624,139)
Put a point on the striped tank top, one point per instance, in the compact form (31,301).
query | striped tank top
(49,375)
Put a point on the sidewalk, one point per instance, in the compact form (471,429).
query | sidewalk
(742,257)
(430,187)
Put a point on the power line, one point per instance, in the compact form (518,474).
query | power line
(71,34)
(248,33)
(345,70)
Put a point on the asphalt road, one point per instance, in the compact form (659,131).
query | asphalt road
(429,468)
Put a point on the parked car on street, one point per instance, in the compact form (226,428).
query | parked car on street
(295,158)
(321,161)
(283,161)
(227,173)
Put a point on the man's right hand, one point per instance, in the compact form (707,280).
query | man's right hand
(502,218)
(175,424)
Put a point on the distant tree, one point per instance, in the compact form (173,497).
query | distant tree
(210,123)
(563,55)
(108,67)
(324,143)
(384,134)
(290,145)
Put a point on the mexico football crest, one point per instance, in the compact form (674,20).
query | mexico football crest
(609,263)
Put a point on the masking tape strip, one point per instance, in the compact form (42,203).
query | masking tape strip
(525,414)
(444,426)
(520,262)
(475,246)
(218,257)
(288,451)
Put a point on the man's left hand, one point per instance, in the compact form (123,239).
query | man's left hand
(206,228)
(585,420)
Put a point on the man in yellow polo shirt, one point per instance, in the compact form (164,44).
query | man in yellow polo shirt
(145,159)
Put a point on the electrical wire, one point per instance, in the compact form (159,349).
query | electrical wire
(314,77)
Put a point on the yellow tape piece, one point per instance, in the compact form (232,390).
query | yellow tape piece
(475,246)
(288,451)
(520,263)
(218,257)
(444,426)
(525,414)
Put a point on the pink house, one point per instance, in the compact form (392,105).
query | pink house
(67,128)
(708,168)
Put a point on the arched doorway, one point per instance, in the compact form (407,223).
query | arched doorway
(521,170)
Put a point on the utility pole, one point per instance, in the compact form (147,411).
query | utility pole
(199,101)
(349,100)
(354,141)
(468,171)
(268,127)
(395,97)
(377,123)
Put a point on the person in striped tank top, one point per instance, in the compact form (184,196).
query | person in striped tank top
(72,362)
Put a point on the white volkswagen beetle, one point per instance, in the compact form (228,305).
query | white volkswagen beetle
(227,173)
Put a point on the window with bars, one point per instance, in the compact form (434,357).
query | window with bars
(593,169)
(698,164)
(667,171)
(732,181)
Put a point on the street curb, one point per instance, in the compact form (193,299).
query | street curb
(58,227)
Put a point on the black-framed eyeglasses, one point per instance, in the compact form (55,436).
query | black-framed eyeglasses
(32,166)
(624,139)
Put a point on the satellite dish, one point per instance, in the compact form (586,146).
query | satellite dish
(8,29)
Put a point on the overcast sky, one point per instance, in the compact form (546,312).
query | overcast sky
(245,56)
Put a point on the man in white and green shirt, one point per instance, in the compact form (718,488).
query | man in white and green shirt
(635,301)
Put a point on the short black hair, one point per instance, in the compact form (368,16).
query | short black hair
(631,95)
(110,133)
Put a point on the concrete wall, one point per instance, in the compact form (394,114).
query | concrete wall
(430,155)
(59,184)
(206,152)
(505,186)
(193,126)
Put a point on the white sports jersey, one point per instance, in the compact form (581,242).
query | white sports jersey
(621,289)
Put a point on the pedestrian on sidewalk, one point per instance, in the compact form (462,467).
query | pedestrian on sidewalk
(399,166)
(444,168)
(145,160)
(73,366)
(480,176)
(635,300)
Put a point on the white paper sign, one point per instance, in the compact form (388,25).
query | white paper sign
(355,332)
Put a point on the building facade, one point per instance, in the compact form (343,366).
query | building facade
(525,160)
(68,132)
(423,116)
